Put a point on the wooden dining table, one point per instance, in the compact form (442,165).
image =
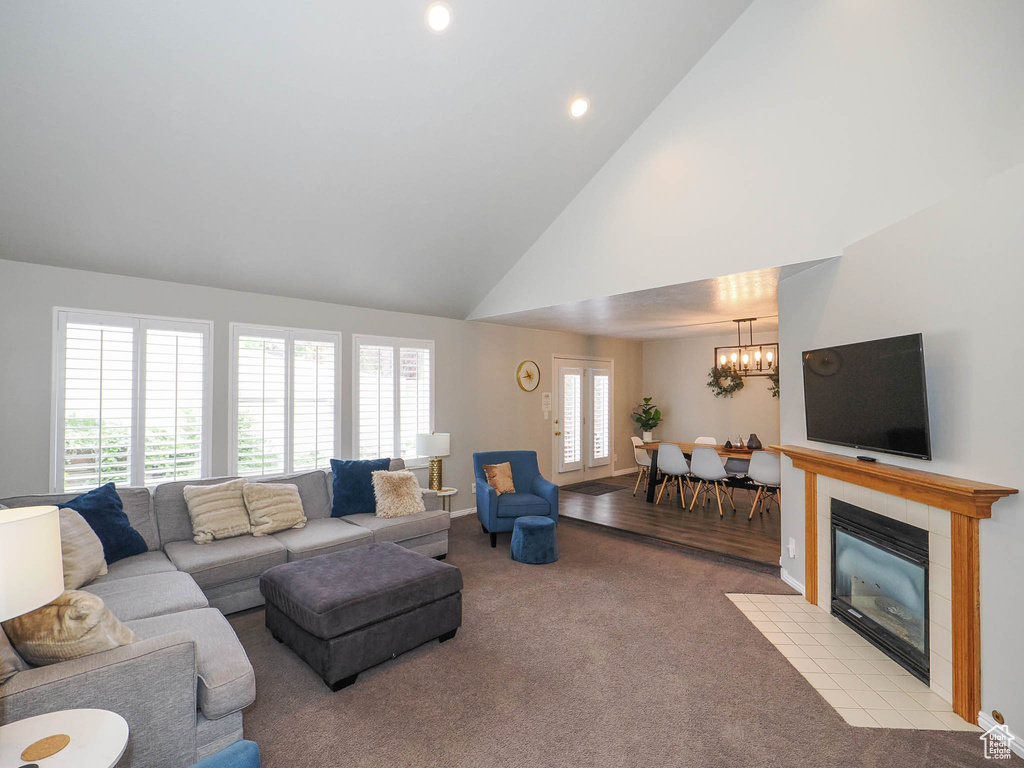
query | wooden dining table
(687,448)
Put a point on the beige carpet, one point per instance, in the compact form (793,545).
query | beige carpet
(621,654)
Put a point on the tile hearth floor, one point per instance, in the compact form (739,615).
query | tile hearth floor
(862,684)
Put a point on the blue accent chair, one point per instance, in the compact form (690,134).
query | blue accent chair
(534,495)
(241,754)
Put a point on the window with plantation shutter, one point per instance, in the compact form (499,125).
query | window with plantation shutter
(131,394)
(375,401)
(99,402)
(261,405)
(313,410)
(174,405)
(414,397)
(601,404)
(394,396)
(285,400)
(572,419)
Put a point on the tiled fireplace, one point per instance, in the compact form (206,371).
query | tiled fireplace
(931,521)
(949,510)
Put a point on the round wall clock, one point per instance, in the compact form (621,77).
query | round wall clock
(528,375)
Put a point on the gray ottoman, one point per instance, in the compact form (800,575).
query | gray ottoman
(351,610)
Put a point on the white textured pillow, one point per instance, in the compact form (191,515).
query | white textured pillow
(76,624)
(398,494)
(81,550)
(217,511)
(273,507)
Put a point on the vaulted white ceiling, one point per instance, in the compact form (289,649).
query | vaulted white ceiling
(327,150)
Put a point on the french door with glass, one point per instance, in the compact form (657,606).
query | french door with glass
(582,426)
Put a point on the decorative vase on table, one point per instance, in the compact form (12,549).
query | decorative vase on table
(648,437)
(753,443)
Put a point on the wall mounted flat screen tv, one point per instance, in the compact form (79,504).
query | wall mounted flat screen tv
(869,395)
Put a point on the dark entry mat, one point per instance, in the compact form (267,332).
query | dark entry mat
(593,488)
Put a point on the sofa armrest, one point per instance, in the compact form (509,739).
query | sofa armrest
(547,491)
(151,684)
(430,499)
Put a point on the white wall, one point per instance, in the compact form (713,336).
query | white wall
(676,376)
(954,273)
(807,126)
(477,399)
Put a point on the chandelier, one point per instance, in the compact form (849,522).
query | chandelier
(748,359)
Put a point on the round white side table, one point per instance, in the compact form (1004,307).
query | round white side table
(445,495)
(98,738)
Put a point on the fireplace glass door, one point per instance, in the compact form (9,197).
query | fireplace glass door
(882,591)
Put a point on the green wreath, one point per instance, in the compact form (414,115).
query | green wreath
(724,382)
(773,383)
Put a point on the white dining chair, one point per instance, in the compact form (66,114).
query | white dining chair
(765,471)
(707,467)
(643,461)
(672,464)
(706,441)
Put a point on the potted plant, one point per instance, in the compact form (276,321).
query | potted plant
(647,416)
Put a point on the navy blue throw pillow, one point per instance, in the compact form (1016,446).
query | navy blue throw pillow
(104,512)
(353,486)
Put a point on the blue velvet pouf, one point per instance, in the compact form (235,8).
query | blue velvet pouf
(533,540)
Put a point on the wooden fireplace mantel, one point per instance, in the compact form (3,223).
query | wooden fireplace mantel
(965,497)
(967,501)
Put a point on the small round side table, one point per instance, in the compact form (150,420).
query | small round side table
(98,738)
(445,495)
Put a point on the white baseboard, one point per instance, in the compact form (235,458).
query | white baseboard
(799,587)
(627,471)
(463,512)
(986,723)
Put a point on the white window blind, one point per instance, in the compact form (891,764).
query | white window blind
(285,400)
(261,405)
(414,394)
(313,404)
(376,401)
(394,396)
(601,402)
(99,404)
(174,405)
(129,399)
(572,439)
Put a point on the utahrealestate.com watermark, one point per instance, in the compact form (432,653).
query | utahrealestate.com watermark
(997,740)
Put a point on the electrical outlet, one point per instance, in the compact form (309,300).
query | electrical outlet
(616,457)
(474,488)
(792,548)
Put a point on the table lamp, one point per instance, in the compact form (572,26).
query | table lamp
(435,445)
(31,575)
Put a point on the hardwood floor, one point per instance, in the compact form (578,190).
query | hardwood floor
(757,540)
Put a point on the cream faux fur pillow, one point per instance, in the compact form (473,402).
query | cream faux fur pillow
(76,624)
(273,507)
(398,494)
(217,511)
(80,549)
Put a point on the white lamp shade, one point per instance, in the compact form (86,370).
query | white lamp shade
(31,568)
(434,444)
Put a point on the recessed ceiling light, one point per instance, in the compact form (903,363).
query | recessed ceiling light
(578,108)
(439,17)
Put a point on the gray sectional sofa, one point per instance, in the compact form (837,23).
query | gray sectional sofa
(183,686)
